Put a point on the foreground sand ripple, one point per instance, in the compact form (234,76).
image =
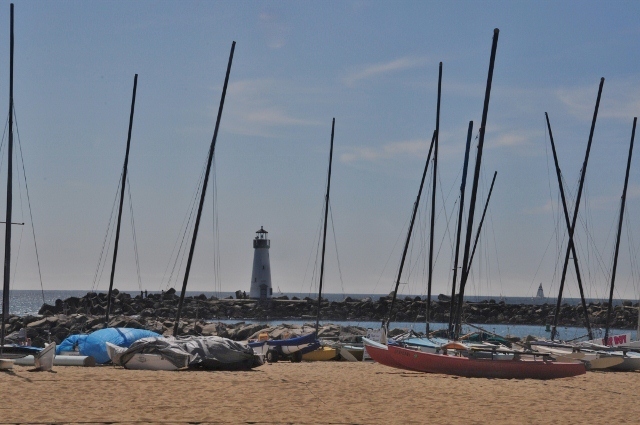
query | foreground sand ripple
(309,393)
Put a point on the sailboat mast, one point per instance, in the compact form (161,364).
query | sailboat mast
(324,235)
(569,229)
(122,187)
(204,192)
(476,176)
(484,212)
(574,220)
(615,255)
(459,231)
(406,244)
(7,236)
(433,202)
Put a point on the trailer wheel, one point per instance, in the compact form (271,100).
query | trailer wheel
(296,357)
(272,356)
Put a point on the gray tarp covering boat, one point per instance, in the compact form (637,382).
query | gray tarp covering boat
(207,352)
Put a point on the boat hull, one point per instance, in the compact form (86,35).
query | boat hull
(483,368)
(380,353)
(322,354)
(147,361)
(630,363)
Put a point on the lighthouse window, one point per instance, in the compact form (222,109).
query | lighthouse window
(254,279)
(262,267)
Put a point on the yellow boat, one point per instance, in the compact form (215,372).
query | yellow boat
(320,355)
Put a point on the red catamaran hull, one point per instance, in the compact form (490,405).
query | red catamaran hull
(482,368)
(380,354)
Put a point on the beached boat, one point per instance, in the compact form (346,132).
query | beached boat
(503,364)
(94,344)
(292,349)
(631,360)
(381,353)
(147,361)
(41,358)
(600,353)
(628,360)
(196,352)
(321,354)
(60,360)
(593,359)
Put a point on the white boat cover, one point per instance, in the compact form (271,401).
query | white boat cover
(207,352)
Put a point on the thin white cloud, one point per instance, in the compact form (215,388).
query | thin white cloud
(376,70)
(390,150)
(256,108)
(274,117)
(620,100)
(510,139)
(521,140)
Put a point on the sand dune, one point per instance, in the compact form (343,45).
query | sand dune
(309,393)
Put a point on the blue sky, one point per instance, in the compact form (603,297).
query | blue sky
(371,65)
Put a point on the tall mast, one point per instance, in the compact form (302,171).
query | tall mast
(433,202)
(203,193)
(615,255)
(569,229)
(122,186)
(476,176)
(324,235)
(406,244)
(574,220)
(459,231)
(7,235)
(484,212)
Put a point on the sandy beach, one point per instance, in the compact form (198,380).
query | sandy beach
(309,393)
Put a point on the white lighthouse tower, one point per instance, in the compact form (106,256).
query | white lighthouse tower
(261,275)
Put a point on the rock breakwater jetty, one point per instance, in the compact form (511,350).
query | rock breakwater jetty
(200,314)
(408,309)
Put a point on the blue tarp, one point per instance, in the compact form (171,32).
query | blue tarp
(94,344)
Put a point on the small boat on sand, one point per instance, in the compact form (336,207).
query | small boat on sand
(381,354)
(321,354)
(502,363)
(197,352)
(290,349)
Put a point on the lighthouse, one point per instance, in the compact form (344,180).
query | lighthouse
(261,275)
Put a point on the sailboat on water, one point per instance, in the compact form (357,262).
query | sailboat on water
(43,357)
